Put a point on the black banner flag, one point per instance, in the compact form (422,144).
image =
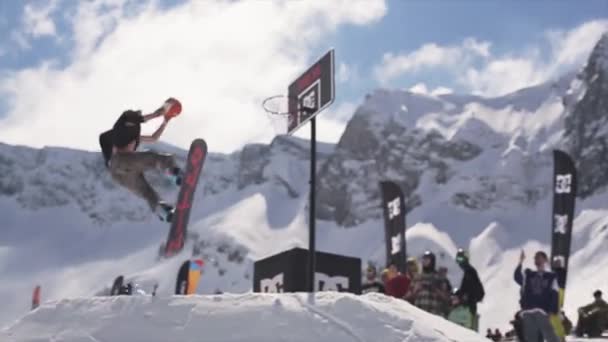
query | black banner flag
(564,196)
(393,206)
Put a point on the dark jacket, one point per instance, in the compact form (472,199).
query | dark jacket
(126,129)
(539,290)
(470,286)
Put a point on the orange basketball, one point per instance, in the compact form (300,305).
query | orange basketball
(172,108)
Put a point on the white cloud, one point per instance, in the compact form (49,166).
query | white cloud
(472,64)
(430,56)
(442,91)
(421,88)
(219,58)
(572,47)
(37,20)
(504,74)
(344,73)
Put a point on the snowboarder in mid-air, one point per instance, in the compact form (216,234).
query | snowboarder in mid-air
(127,166)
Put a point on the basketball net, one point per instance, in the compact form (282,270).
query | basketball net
(277,112)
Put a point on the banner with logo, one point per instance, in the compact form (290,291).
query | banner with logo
(393,206)
(564,196)
(286,272)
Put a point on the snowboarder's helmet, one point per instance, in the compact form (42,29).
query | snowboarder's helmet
(597,293)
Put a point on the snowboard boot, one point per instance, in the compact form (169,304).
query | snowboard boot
(175,175)
(165,212)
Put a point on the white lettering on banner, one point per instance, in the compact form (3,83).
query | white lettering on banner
(563,184)
(327,283)
(395,244)
(273,285)
(561,259)
(561,223)
(394,208)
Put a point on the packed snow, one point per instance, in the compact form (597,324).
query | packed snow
(328,316)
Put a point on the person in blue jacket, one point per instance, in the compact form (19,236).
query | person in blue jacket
(539,298)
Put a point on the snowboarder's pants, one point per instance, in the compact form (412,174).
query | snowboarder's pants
(535,322)
(127,169)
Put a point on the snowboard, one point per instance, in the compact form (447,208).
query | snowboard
(181,216)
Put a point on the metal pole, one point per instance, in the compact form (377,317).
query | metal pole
(311,236)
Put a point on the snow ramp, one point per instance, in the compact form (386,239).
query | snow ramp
(294,317)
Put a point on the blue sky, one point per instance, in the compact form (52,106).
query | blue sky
(511,27)
(50,48)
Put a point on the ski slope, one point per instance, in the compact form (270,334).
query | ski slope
(328,316)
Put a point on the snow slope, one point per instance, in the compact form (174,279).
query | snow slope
(248,317)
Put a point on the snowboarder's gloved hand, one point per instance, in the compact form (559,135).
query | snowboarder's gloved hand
(171,108)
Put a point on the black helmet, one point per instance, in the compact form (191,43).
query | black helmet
(431,257)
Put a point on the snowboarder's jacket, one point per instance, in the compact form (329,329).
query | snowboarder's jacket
(539,290)
(462,316)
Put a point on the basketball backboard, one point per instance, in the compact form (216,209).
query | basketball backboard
(312,92)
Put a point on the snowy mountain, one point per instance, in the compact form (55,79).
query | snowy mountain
(476,171)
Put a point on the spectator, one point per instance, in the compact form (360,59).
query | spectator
(489,334)
(539,298)
(372,284)
(497,335)
(471,289)
(460,313)
(398,285)
(412,267)
(427,289)
(443,275)
(592,318)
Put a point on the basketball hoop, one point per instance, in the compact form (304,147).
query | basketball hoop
(277,111)
(276,105)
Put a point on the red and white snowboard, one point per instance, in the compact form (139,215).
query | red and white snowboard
(192,172)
